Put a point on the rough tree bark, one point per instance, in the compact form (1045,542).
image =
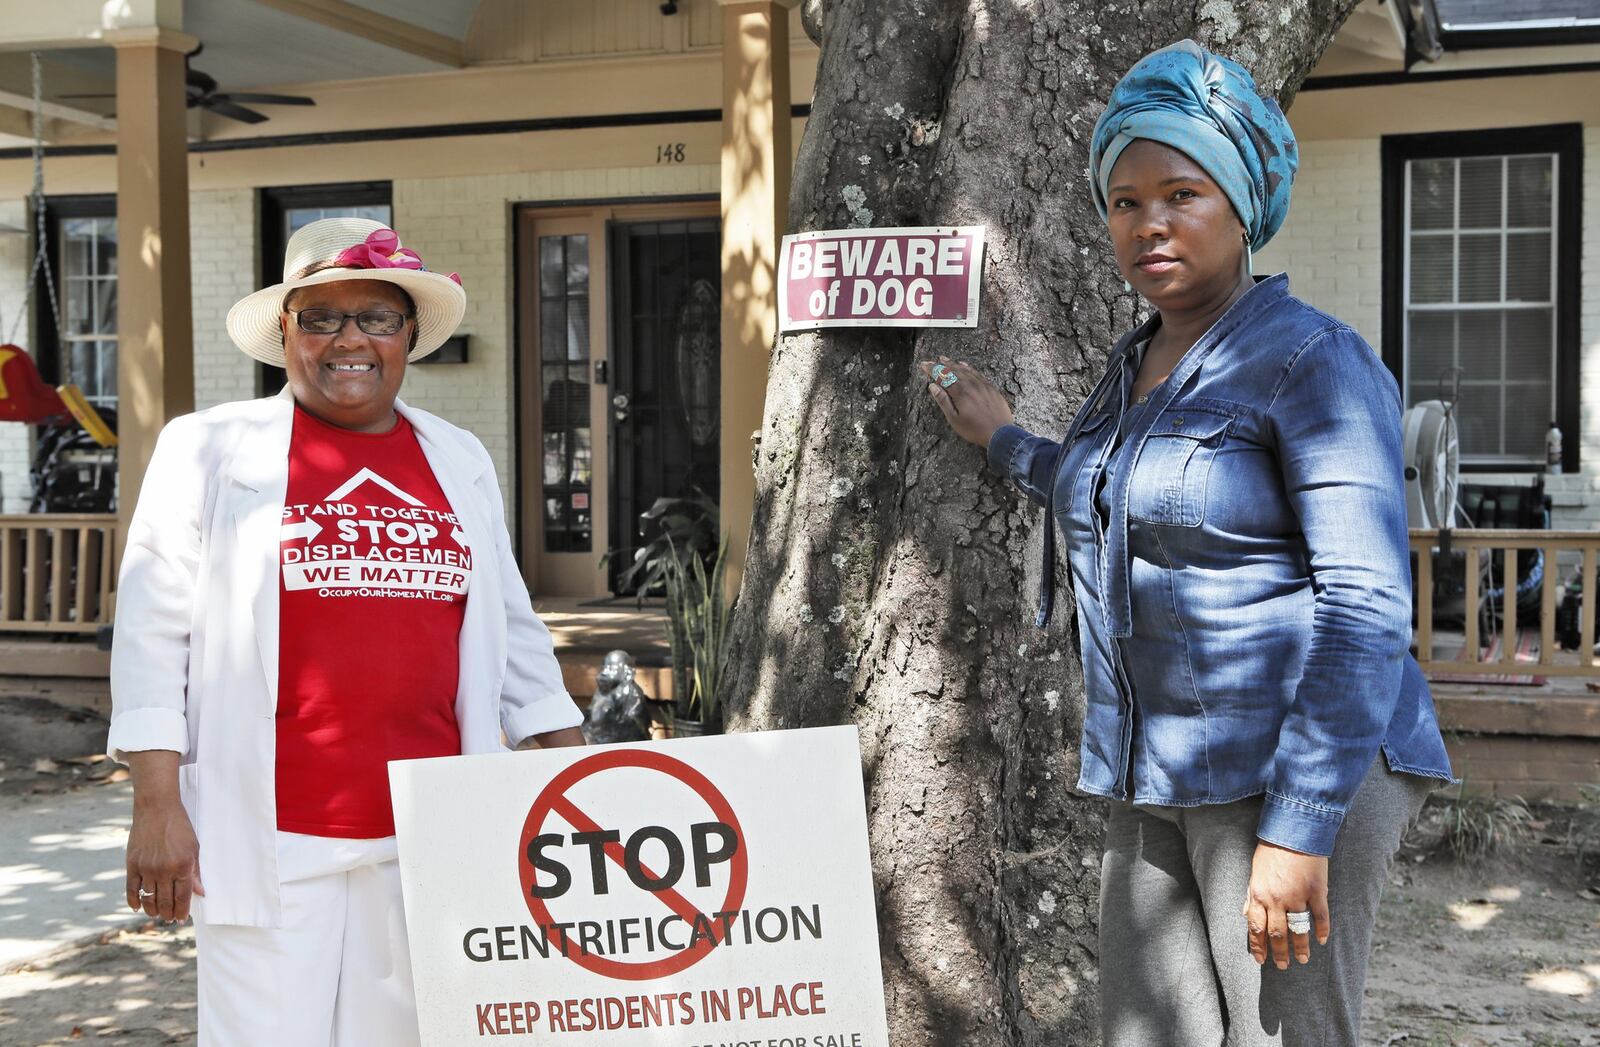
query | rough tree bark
(891,577)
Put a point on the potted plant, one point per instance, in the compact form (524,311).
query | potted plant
(678,562)
(677,528)
(697,630)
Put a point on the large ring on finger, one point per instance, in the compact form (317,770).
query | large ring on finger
(948,379)
(1299,922)
(146,894)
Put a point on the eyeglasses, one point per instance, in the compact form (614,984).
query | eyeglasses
(331,321)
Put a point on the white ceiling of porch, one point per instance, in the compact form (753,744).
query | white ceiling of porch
(251,46)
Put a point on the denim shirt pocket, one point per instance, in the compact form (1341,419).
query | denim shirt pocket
(1075,457)
(1169,479)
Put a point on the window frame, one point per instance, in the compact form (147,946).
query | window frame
(47,347)
(1566,142)
(583,367)
(274,203)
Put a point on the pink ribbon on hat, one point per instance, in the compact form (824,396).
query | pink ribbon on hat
(381,250)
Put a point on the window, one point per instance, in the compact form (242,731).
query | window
(81,234)
(1480,280)
(1480,269)
(565,441)
(88,251)
(285,210)
(295,218)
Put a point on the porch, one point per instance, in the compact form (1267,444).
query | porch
(1521,715)
(61,661)
(1519,703)
(586,630)
(1540,743)
(477,118)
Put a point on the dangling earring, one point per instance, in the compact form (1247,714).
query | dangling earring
(1126,286)
(1249,259)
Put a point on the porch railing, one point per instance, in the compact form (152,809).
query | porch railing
(1583,546)
(57,573)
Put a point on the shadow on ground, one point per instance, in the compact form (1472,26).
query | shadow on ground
(133,987)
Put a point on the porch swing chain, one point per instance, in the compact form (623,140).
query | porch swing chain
(42,254)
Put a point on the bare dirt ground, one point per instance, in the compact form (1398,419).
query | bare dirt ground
(46,748)
(1497,952)
(132,988)
(1505,951)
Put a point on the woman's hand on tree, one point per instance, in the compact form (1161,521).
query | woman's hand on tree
(1284,881)
(163,853)
(973,407)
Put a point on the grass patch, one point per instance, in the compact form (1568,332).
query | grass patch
(1475,827)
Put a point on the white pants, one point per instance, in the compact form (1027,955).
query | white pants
(336,974)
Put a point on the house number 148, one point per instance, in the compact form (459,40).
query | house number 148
(670,153)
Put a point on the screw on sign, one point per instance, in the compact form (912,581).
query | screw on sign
(715,842)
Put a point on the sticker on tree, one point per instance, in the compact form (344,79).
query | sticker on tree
(912,277)
(704,891)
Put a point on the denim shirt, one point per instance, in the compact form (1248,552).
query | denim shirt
(1244,596)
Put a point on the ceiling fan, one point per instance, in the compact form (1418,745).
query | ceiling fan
(203,94)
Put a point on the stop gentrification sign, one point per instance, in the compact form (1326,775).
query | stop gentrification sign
(913,277)
(699,892)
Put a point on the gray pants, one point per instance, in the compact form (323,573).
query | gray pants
(1175,965)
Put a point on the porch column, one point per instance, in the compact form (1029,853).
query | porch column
(756,162)
(155,337)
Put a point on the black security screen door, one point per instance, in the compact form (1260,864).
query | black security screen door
(665,391)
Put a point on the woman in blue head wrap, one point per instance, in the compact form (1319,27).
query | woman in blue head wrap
(1232,494)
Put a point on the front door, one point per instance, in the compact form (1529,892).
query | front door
(665,392)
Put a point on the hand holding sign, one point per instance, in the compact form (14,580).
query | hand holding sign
(715,841)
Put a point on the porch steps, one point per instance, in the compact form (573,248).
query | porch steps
(1539,745)
(67,670)
(585,631)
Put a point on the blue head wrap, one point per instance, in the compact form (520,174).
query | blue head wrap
(1207,108)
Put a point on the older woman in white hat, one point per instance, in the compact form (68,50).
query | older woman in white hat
(315,584)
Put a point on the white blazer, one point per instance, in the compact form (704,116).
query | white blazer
(194,665)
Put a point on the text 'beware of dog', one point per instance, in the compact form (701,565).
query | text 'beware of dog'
(910,277)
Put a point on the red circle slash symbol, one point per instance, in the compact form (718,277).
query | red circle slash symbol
(553,800)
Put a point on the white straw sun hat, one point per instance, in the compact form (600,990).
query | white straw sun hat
(335,249)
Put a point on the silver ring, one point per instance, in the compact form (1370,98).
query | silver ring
(1299,922)
(146,894)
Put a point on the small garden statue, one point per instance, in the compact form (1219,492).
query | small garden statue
(618,712)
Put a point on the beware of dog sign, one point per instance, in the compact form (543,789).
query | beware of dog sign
(703,891)
(924,276)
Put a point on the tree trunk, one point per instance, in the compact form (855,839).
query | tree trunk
(891,576)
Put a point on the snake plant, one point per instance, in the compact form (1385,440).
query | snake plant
(697,629)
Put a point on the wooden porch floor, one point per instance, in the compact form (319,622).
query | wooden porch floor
(586,630)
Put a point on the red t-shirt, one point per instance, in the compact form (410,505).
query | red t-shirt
(372,594)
